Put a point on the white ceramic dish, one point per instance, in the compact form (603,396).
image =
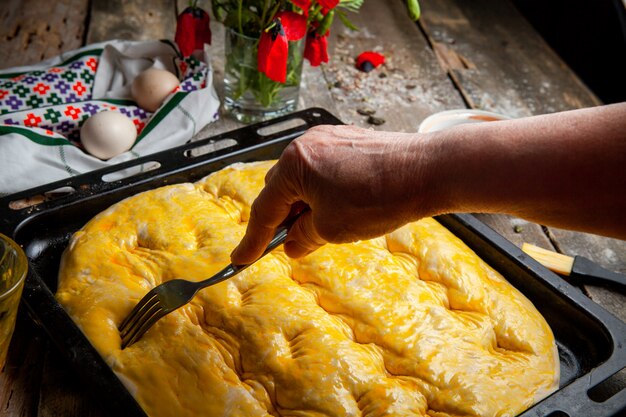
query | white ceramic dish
(449,118)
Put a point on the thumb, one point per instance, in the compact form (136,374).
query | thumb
(264,217)
(303,237)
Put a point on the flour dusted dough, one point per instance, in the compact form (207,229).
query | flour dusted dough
(409,324)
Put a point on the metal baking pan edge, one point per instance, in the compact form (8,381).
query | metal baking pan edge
(572,398)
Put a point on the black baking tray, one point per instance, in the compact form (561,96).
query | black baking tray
(591,341)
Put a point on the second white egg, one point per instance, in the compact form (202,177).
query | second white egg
(151,87)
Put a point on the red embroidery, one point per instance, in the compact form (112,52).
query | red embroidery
(41,88)
(139,125)
(72,112)
(92,63)
(32,120)
(183,66)
(79,88)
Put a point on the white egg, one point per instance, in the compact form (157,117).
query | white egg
(151,87)
(107,134)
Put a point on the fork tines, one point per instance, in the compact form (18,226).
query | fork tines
(141,318)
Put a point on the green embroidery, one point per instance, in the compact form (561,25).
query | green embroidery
(52,115)
(156,119)
(189,116)
(69,76)
(21,91)
(54,99)
(87,76)
(69,169)
(35,137)
(34,101)
(94,52)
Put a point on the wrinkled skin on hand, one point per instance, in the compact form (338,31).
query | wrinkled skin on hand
(358,184)
(362,183)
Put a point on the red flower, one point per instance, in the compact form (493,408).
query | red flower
(294,25)
(192,30)
(369,60)
(272,53)
(316,48)
(327,5)
(302,4)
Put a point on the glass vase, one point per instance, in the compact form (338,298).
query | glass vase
(249,95)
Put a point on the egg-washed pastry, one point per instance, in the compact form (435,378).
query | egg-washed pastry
(409,324)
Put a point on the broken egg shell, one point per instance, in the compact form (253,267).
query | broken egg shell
(107,134)
(151,87)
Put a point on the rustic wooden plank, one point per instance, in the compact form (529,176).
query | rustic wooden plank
(61,392)
(20,379)
(33,30)
(498,61)
(131,20)
(406,89)
(516,230)
(501,64)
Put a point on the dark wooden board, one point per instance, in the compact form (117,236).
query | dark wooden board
(21,378)
(498,61)
(141,20)
(406,89)
(34,30)
(480,54)
(31,31)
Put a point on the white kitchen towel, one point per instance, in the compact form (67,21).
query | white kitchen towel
(43,106)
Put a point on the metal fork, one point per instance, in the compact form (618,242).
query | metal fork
(171,295)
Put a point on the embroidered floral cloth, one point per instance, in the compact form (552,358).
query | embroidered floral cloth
(42,108)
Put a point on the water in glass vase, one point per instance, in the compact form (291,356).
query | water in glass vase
(249,95)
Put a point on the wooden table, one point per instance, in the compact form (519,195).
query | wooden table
(481,54)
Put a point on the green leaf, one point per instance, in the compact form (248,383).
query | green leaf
(344,19)
(352,5)
(326,22)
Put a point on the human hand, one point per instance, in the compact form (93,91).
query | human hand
(358,184)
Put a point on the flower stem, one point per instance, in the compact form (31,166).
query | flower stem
(266,6)
(239,12)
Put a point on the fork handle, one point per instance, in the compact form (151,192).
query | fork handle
(232,270)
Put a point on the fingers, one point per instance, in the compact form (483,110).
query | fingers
(303,237)
(270,208)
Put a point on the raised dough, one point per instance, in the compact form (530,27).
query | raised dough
(409,324)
